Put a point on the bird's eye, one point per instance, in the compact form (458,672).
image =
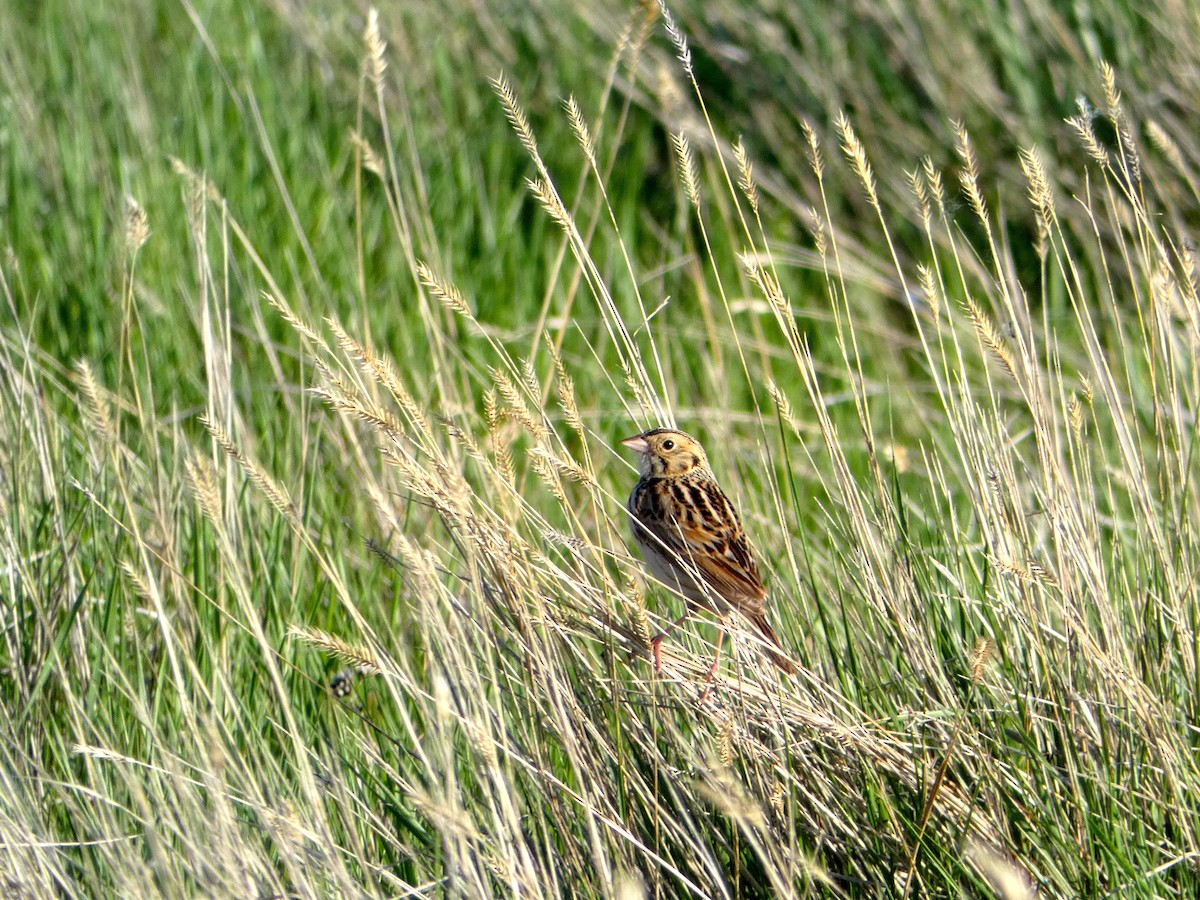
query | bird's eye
(668,444)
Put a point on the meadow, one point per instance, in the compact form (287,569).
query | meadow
(319,328)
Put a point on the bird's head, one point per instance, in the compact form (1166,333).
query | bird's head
(664,452)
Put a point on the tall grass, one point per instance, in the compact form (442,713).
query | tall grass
(315,565)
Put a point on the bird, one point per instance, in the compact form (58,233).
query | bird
(692,539)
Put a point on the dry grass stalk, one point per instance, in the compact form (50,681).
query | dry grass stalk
(516,116)
(857,155)
(137,224)
(583,134)
(297,324)
(450,296)
(746,175)
(275,493)
(99,415)
(516,406)
(933,180)
(916,183)
(376,48)
(969,176)
(816,160)
(687,167)
(1082,124)
(1041,198)
(682,52)
(204,488)
(359,656)
(366,153)
(989,335)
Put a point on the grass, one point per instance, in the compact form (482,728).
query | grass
(318,339)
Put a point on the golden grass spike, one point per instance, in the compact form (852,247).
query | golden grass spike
(1075,416)
(582,133)
(969,176)
(516,116)
(1166,145)
(1112,96)
(204,488)
(517,408)
(376,48)
(857,155)
(370,159)
(930,291)
(1040,197)
(815,159)
(96,408)
(293,320)
(548,474)
(990,336)
(137,224)
(687,167)
(567,467)
(1082,124)
(979,659)
(746,175)
(381,370)
(566,398)
(784,406)
(933,178)
(545,194)
(274,492)
(449,295)
(917,183)
(360,657)
(682,52)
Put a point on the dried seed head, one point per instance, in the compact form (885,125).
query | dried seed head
(1082,124)
(682,52)
(687,167)
(97,410)
(370,159)
(359,656)
(929,288)
(979,659)
(815,159)
(376,48)
(857,155)
(969,176)
(1040,196)
(204,488)
(933,178)
(137,224)
(990,336)
(275,493)
(446,293)
(545,194)
(547,472)
(725,746)
(516,116)
(582,133)
(746,175)
(917,182)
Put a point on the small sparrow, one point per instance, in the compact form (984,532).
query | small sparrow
(692,538)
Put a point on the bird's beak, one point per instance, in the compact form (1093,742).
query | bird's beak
(637,443)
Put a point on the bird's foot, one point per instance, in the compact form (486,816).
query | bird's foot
(656,648)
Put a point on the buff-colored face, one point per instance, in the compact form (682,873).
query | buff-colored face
(666,453)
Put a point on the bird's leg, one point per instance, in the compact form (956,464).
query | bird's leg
(656,641)
(712,671)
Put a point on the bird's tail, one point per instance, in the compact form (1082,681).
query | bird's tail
(764,627)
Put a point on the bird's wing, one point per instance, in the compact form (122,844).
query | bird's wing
(703,530)
(725,560)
